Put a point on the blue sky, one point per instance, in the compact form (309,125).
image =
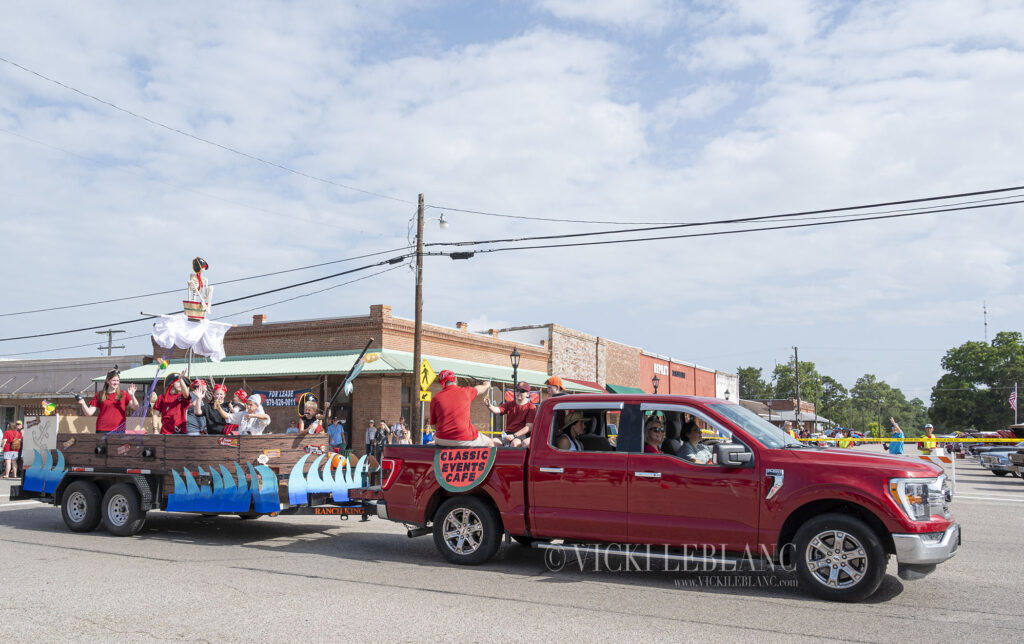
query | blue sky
(618,111)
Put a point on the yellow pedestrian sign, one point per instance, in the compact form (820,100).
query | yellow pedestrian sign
(424,396)
(427,376)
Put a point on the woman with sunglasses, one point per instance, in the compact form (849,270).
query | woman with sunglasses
(654,435)
(112,402)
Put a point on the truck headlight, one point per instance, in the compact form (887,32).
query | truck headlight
(922,498)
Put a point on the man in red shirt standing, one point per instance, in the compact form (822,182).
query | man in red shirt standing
(449,414)
(518,416)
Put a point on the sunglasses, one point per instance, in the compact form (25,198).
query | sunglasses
(655,429)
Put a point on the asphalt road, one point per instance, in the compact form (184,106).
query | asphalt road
(322,579)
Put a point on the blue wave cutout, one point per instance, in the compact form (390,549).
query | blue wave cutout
(44,476)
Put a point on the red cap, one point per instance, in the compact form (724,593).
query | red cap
(446,377)
(217,388)
(197,382)
(242,395)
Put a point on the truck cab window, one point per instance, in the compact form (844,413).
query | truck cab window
(585,430)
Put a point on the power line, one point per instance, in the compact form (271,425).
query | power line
(393,260)
(148,178)
(229,315)
(176,290)
(737,231)
(756,218)
(226,148)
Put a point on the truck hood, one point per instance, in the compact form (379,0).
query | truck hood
(893,466)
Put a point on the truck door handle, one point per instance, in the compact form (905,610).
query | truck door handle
(648,475)
(552,470)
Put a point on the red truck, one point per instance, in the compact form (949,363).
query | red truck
(834,515)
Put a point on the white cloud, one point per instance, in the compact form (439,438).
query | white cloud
(647,15)
(884,102)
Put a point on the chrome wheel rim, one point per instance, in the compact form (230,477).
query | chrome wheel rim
(836,559)
(77,507)
(463,531)
(117,510)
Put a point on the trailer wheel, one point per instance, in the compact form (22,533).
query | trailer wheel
(122,510)
(466,530)
(80,506)
(839,558)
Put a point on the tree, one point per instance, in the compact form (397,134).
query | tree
(874,400)
(834,400)
(979,377)
(810,381)
(752,385)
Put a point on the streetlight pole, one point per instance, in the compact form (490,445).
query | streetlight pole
(655,381)
(514,357)
(417,343)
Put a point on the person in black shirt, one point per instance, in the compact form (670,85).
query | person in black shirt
(214,421)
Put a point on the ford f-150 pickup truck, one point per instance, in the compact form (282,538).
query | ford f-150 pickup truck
(835,515)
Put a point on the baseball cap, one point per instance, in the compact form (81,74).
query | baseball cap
(929,426)
(523,386)
(556,381)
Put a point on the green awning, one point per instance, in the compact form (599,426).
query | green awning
(335,362)
(623,389)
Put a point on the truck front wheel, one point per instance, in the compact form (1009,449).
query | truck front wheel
(839,558)
(122,510)
(466,530)
(80,506)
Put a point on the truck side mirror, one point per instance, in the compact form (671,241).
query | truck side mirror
(732,455)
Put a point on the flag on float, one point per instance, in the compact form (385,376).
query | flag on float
(1013,398)
(361,361)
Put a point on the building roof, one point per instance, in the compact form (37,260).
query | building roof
(623,389)
(57,377)
(336,362)
(791,416)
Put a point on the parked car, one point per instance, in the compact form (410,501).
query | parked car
(997,459)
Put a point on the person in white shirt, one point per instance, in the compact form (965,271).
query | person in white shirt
(251,421)
(371,436)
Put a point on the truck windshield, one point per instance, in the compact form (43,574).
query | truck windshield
(758,428)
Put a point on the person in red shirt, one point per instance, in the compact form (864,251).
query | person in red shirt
(11,445)
(654,435)
(112,403)
(172,407)
(518,416)
(449,414)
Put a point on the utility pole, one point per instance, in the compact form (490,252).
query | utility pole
(796,363)
(417,351)
(110,341)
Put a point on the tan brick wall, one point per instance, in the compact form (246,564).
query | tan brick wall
(622,364)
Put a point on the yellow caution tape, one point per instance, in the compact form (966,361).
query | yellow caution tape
(916,440)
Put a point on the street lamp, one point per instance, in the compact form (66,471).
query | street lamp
(727,393)
(655,381)
(514,357)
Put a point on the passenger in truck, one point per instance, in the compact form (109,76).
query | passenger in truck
(654,435)
(572,428)
(693,450)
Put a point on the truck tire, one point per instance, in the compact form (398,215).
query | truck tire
(839,558)
(122,510)
(80,506)
(466,530)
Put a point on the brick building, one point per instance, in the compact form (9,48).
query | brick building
(286,358)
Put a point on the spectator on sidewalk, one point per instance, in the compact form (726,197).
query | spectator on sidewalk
(11,447)
(336,436)
(896,444)
(371,438)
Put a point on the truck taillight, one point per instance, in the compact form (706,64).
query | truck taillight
(390,467)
